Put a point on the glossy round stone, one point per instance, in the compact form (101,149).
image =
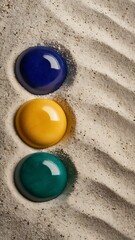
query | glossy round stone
(40,123)
(40,176)
(40,70)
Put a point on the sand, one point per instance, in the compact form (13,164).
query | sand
(98,38)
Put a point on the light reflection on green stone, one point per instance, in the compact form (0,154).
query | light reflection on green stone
(40,177)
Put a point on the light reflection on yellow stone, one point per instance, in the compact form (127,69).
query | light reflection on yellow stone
(40,123)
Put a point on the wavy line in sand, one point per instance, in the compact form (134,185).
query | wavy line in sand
(105,91)
(106,170)
(122,14)
(97,26)
(109,206)
(113,215)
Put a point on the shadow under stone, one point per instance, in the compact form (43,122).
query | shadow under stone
(71,170)
(71,119)
(66,54)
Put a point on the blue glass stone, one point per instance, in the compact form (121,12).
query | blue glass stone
(40,70)
(40,177)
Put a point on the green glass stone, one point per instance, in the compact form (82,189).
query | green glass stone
(40,177)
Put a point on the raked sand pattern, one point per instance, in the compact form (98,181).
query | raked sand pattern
(100,35)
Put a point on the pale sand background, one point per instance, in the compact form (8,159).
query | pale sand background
(100,35)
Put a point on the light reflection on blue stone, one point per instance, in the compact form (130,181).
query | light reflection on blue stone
(40,70)
(53,62)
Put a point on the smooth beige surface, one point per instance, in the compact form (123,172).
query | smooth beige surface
(100,34)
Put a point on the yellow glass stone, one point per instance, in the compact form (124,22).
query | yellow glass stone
(40,123)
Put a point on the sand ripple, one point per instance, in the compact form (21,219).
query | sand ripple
(100,35)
